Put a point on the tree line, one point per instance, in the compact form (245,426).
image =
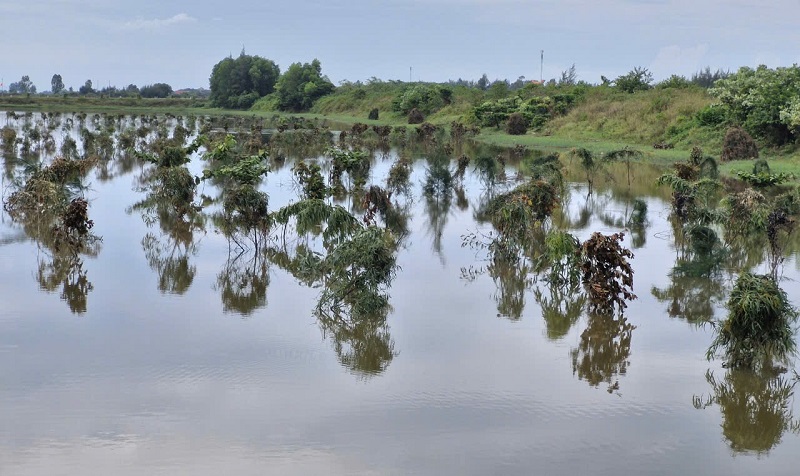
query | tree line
(156,90)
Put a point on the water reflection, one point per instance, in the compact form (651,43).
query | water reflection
(169,251)
(756,407)
(363,344)
(603,351)
(561,309)
(512,279)
(65,271)
(243,282)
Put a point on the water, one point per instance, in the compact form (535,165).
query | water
(161,375)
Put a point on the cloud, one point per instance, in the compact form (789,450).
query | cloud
(140,24)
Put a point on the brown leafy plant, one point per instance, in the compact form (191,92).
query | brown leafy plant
(606,272)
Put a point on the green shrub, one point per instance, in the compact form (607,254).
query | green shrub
(760,323)
(427,98)
(373,114)
(711,116)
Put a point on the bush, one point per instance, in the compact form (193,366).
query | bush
(415,116)
(638,79)
(711,116)
(516,125)
(759,324)
(373,114)
(738,145)
(428,98)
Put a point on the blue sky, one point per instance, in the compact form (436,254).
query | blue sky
(178,42)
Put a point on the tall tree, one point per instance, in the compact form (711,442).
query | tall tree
(86,88)
(23,86)
(157,90)
(301,85)
(56,84)
(238,83)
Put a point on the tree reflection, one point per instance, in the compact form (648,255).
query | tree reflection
(65,271)
(603,351)
(169,252)
(561,309)
(352,308)
(756,407)
(693,298)
(512,278)
(363,344)
(242,284)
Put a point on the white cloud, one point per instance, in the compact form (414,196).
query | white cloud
(157,23)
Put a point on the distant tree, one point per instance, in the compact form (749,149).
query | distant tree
(238,83)
(131,90)
(23,86)
(301,85)
(56,84)
(518,84)
(86,88)
(569,77)
(498,90)
(110,91)
(157,90)
(706,79)
(638,79)
(675,82)
(483,83)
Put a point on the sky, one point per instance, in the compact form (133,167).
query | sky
(178,42)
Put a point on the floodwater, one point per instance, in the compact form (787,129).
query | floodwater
(181,356)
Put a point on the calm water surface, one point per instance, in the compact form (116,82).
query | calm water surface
(159,371)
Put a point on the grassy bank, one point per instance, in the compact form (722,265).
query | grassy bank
(601,119)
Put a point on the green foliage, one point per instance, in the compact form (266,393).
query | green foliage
(495,113)
(561,259)
(238,83)
(516,212)
(310,178)
(760,323)
(764,179)
(246,171)
(358,272)
(310,214)
(355,163)
(157,90)
(711,116)
(638,79)
(427,98)
(245,211)
(675,81)
(301,85)
(763,100)
(373,114)
(639,214)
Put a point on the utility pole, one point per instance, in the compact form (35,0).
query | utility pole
(410,68)
(541,69)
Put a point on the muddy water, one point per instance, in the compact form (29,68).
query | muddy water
(143,362)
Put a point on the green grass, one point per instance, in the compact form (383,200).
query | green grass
(555,143)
